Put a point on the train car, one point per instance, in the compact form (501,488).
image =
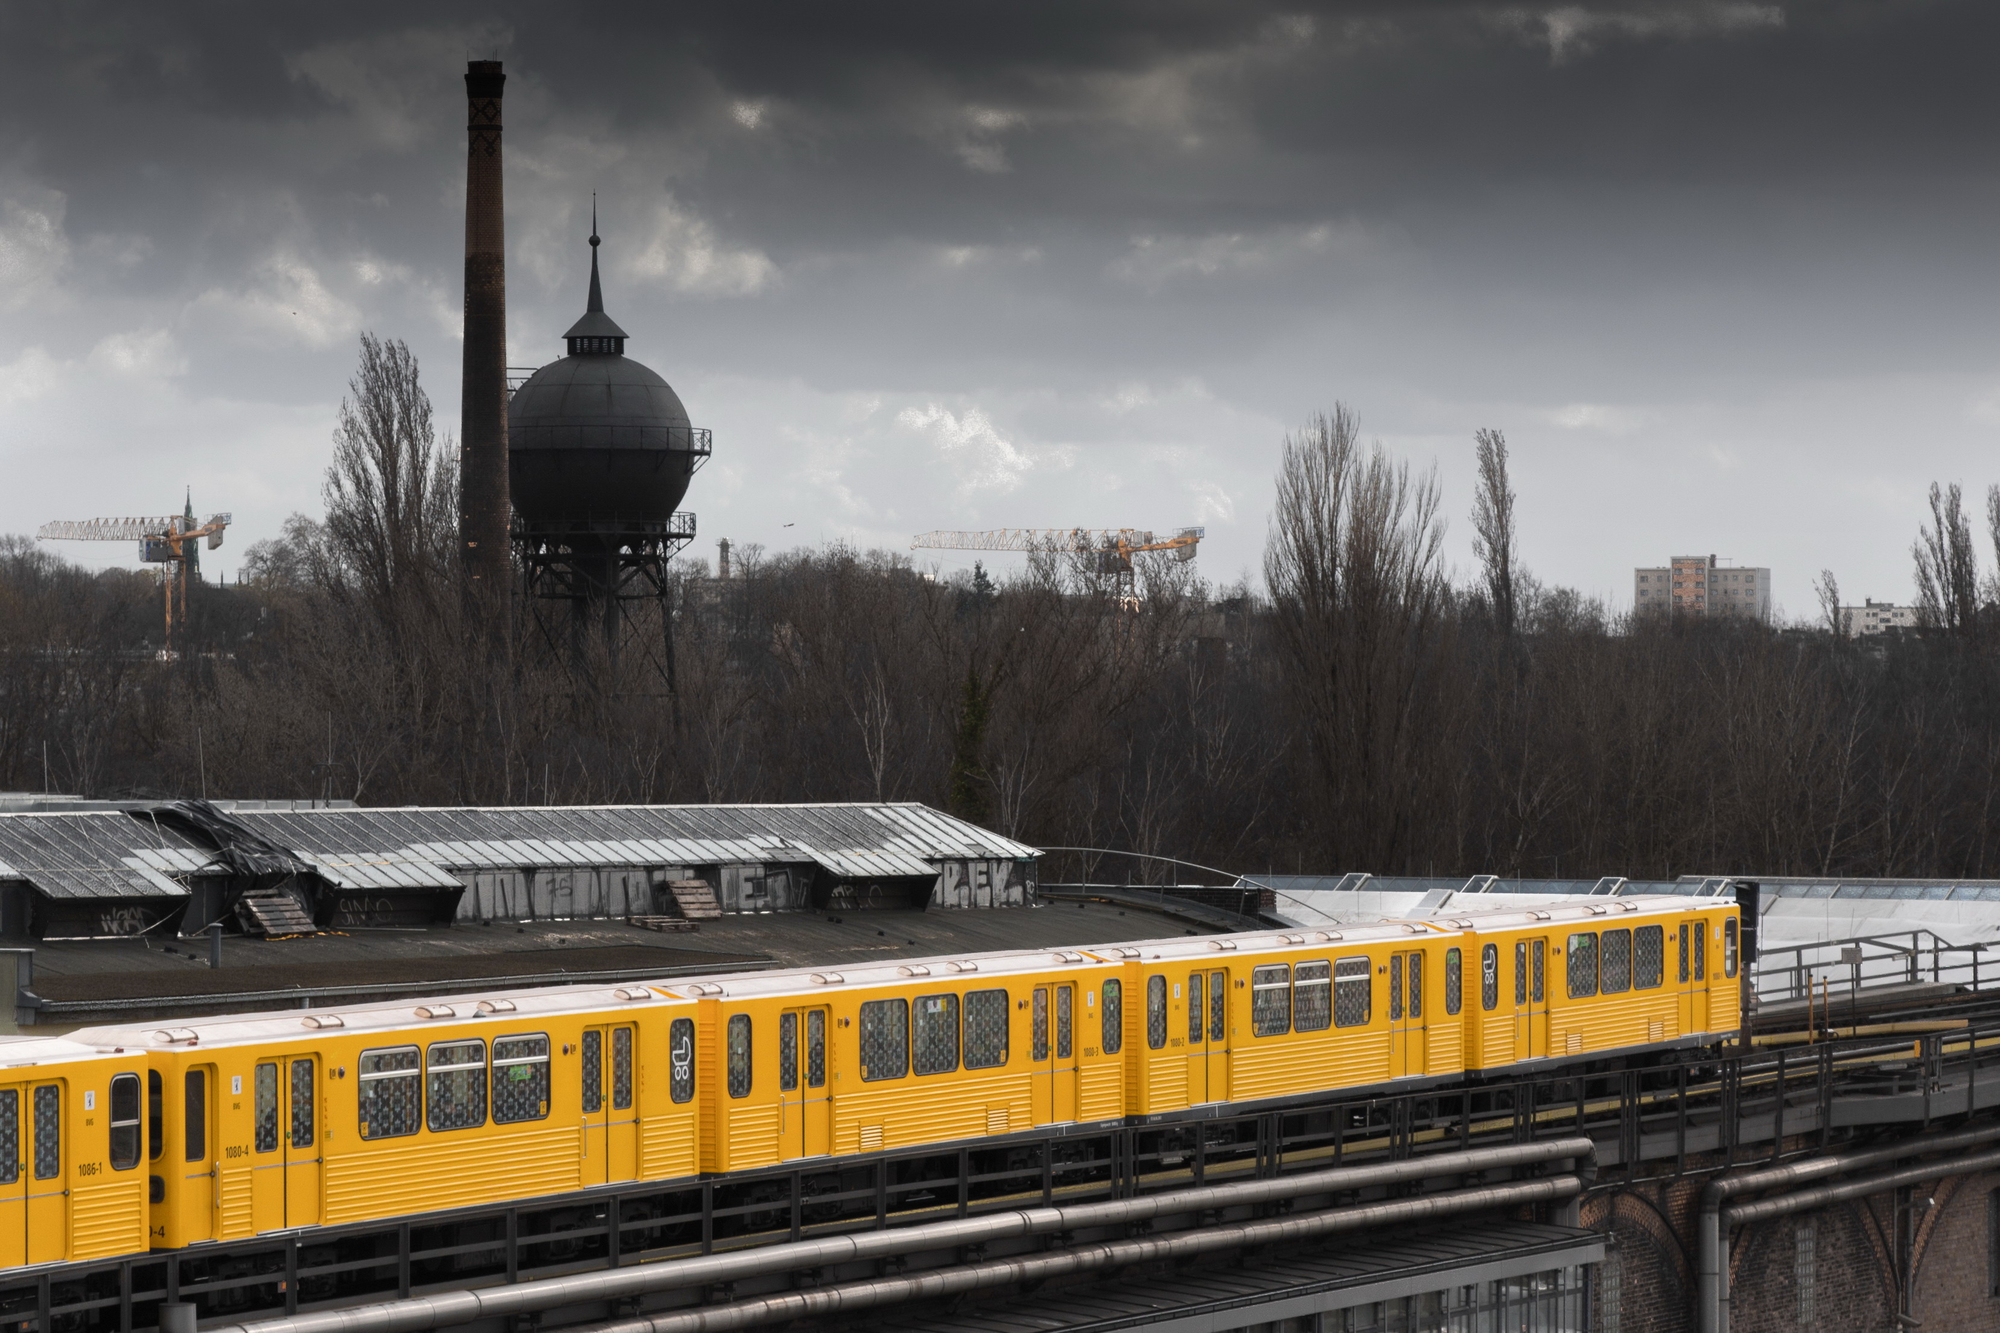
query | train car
(71,1151)
(1595,977)
(1254,1018)
(266,1122)
(220,1129)
(802,1064)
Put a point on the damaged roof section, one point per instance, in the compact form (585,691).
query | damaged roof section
(100,854)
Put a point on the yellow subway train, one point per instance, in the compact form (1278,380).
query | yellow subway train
(115,1140)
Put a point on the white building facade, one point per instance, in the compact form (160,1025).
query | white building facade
(1873,617)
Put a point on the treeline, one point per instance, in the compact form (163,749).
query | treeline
(1361,712)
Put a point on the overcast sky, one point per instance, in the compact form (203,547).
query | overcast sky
(1724,273)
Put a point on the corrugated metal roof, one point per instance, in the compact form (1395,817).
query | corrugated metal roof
(96,854)
(382,870)
(853,841)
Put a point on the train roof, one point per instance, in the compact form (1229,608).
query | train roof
(379,1016)
(1585,910)
(20,1052)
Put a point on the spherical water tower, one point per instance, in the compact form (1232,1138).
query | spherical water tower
(600,451)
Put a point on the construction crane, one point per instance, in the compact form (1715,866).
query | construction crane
(171,542)
(1112,547)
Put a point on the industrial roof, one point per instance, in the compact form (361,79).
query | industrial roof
(99,854)
(855,841)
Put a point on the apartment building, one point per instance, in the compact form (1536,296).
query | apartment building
(1873,617)
(1701,585)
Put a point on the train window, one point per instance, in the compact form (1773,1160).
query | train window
(455,1085)
(592,1073)
(194,1114)
(520,1079)
(885,1039)
(1536,971)
(1489,977)
(10,1135)
(1312,996)
(1218,1005)
(1112,1016)
(621,1069)
(1395,987)
(1520,973)
(1729,947)
(1156,1012)
(1649,957)
(1454,981)
(266,1108)
(156,1115)
(48,1132)
(815,1048)
(1065,997)
(680,1060)
(390,1090)
(936,1034)
(1614,964)
(1582,966)
(1701,950)
(788,1052)
(985,1029)
(1353,992)
(124,1121)
(1271,1000)
(1194,1009)
(302,1103)
(1681,974)
(739,1052)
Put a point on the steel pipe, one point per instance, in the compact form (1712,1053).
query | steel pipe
(447,1309)
(842,1299)
(1711,1229)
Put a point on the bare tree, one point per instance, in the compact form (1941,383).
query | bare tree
(1827,588)
(1493,528)
(391,491)
(1358,601)
(1947,568)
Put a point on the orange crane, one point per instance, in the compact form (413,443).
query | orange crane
(162,541)
(1113,547)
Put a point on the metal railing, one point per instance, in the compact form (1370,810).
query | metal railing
(1845,968)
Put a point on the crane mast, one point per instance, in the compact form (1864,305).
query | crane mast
(162,540)
(1112,547)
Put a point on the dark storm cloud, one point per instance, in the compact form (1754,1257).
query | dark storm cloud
(929,265)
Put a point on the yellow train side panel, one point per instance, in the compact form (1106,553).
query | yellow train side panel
(753,1134)
(1102,1092)
(1446,1047)
(667,1146)
(238,1220)
(432,1171)
(109,1219)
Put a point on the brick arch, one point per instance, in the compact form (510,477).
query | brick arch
(1948,1262)
(1856,1278)
(1656,1273)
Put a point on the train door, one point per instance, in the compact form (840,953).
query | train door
(805,1117)
(1208,1037)
(610,1117)
(14,1124)
(1691,973)
(1407,1022)
(1531,998)
(1052,1048)
(285,1147)
(199,1195)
